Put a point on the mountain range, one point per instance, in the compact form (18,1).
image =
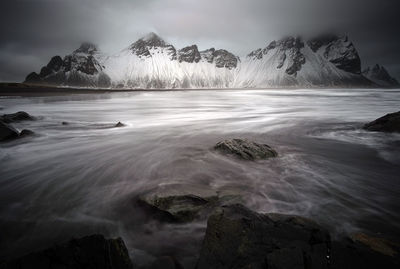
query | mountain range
(151,62)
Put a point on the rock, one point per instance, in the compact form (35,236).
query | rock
(245,149)
(239,238)
(88,252)
(389,123)
(377,244)
(178,203)
(64,123)
(26,132)
(120,124)
(7,132)
(19,116)
(189,54)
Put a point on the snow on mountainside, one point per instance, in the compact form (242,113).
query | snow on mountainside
(81,68)
(380,76)
(151,62)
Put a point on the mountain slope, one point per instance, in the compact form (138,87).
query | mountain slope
(379,75)
(151,62)
(80,68)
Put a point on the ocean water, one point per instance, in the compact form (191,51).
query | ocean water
(83,178)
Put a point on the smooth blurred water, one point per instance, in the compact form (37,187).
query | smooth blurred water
(82,178)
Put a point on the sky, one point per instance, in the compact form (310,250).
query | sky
(32,31)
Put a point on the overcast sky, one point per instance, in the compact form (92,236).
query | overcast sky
(32,31)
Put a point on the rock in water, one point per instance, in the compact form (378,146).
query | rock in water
(389,123)
(245,149)
(178,203)
(26,132)
(239,238)
(19,116)
(119,124)
(7,132)
(88,252)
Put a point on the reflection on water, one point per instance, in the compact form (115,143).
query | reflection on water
(82,178)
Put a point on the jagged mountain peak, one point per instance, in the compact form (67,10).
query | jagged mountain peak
(87,47)
(379,75)
(189,54)
(150,41)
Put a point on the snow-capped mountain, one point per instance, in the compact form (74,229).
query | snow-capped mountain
(379,75)
(80,68)
(151,62)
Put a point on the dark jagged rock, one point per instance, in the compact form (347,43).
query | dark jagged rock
(208,55)
(185,202)
(7,132)
(94,252)
(142,47)
(80,68)
(237,237)
(120,124)
(338,50)
(189,54)
(389,123)
(26,132)
(224,58)
(15,117)
(245,149)
(379,75)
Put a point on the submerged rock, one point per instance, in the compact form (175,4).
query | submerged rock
(26,132)
(245,149)
(14,117)
(184,203)
(7,132)
(237,237)
(119,124)
(88,252)
(388,123)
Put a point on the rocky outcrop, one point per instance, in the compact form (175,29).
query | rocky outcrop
(245,149)
(88,252)
(379,75)
(237,237)
(337,50)
(143,46)
(389,123)
(7,132)
(189,54)
(15,117)
(225,59)
(81,68)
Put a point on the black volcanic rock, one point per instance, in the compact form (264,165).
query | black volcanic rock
(237,237)
(152,41)
(91,252)
(338,50)
(189,54)
(7,132)
(208,55)
(245,149)
(389,123)
(379,75)
(14,117)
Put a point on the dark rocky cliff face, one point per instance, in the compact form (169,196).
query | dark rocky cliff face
(189,54)
(143,46)
(80,68)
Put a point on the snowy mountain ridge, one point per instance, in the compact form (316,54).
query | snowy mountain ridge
(151,62)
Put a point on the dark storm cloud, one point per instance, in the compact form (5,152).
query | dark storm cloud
(34,30)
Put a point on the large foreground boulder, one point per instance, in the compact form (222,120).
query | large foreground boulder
(14,117)
(7,132)
(245,149)
(184,202)
(389,123)
(237,237)
(91,252)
